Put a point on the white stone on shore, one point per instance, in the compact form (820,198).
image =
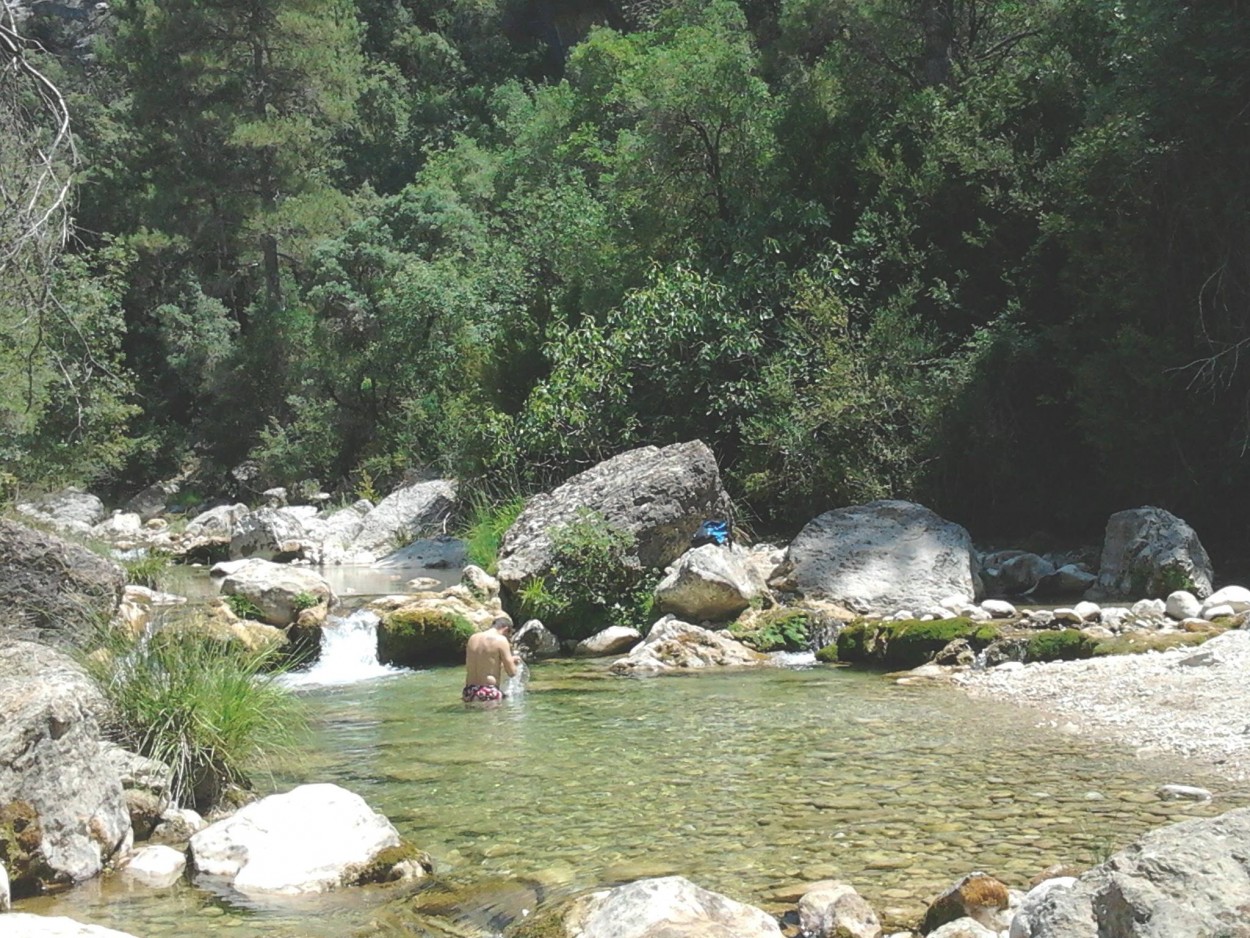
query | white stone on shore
(999,608)
(1021,924)
(1088,611)
(1183,605)
(25,925)
(1218,612)
(157,865)
(1183,793)
(1149,608)
(1236,596)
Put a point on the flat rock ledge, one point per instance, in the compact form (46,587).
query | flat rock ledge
(1188,701)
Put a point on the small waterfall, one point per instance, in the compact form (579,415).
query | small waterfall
(515,685)
(349,653)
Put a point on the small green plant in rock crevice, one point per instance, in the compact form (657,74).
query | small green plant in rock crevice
(212,711)
(244,608)
(594,581)
(302,601)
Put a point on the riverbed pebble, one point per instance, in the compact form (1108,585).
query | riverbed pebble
(1158,701)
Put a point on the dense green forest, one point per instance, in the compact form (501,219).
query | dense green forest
(993,255)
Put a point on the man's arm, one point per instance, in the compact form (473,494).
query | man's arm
(506,658)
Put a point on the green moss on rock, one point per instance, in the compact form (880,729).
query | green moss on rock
(1135,643)
(21,837)
(414,638)
(382,869)
(777,629)
(1062,645)
(828,654)
(910,642)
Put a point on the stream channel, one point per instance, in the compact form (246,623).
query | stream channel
(744,782)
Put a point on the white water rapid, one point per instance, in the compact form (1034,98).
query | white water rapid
(349,653)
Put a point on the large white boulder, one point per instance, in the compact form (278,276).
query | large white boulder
(157,865)
(403,516)
(311,839)
(217,522)
(266,533)
(280,591)
(709,584)
(830,909)
(660,496)
(667,906)
(883,556)
(53,771)
(1150,553)
(610,641)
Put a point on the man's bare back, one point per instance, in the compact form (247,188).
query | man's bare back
(488,656)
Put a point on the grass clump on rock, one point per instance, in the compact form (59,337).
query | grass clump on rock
(908,643)
(777,629)
(414,638)
(210,710)
(148,570)
(1136,643)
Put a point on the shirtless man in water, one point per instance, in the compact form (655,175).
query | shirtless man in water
(488,656)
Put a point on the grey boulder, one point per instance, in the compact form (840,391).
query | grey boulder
(882,556)
(709,584)
(52,589)
(1148,552)
(53,769)
(667,907)
(660,496)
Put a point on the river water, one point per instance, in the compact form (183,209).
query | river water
(744,782)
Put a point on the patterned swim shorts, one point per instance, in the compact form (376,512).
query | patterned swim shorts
(479,693)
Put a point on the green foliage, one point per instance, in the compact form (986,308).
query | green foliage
(1061,645)
(908,643)
(828,654)
(416,638)
(302,601)
(212,711)
(148,570)
(778,629)
(593,582)
(243,607)
(484,530)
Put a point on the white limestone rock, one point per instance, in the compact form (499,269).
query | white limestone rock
(831,909)
(999,609)
(675,645)
(1236,598)
(277,589)
(669,906)
(535,640)
(414,511)
(311,839)
(611,641)
(1183,604)
(70,511)
(886,555)
(156,865)
(708,584)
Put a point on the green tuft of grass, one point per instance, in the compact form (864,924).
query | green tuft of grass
(243,607)
(149,570)
(210,710)
(488,522)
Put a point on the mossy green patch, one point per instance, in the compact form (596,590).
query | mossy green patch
(910,642)
(414,638)
(21,837)
(1061,645)
(777,629)
(1135,643)
(381,869)
(828,654)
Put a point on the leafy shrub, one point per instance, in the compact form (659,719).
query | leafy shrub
(243,607)
(415,638)
(776,630)
(594,581)
(148,570)
(302,601)
(486,526)
(210,710)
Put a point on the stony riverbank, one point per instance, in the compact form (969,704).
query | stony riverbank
(1189,701)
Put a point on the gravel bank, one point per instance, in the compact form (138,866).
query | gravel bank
(1192,701)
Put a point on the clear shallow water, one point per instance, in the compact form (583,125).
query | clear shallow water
(744,782)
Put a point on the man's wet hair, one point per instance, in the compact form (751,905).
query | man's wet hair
(502,622)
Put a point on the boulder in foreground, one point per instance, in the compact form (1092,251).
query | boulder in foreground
(311,839)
